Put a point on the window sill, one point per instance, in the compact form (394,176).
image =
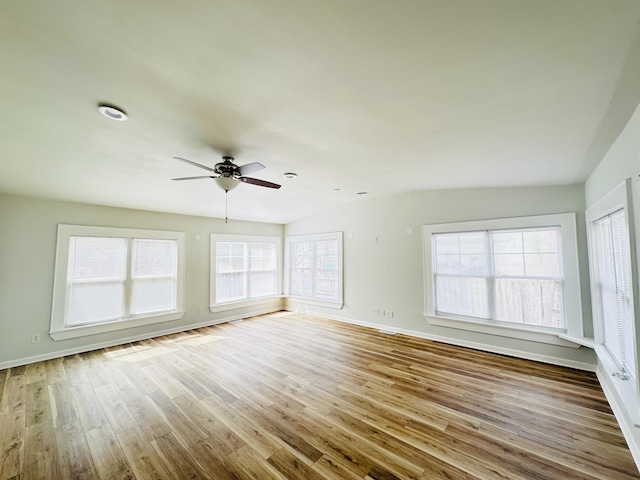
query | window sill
(514,331)
(85,330)
(253,302)
(315,302)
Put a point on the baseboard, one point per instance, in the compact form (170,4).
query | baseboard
(121,341)
(630,432)
(562,362)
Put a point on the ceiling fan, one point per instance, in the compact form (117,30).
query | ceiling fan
(228,175)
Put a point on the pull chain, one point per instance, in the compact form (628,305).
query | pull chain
(226,205)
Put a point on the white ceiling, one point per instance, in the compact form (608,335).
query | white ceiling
(361,95)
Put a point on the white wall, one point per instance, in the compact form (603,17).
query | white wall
(389,274)
(622,161)
(28,228)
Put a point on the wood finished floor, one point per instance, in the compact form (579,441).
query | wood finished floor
(299,397)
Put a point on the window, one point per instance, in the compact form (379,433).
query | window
(112,278)
(313,266)
(610,231)
(244,268)
(508,276)
(614,289)
(499,276)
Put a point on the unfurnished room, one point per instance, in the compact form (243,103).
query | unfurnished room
(320,240)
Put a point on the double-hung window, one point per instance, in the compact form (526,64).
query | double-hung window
(112,278)
(512,274)
(244,267)
(313,268)
(610,236)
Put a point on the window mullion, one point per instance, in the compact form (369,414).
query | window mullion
(128,280)
(491,278)
(247,270)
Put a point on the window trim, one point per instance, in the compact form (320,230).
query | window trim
(59,331)
(572,295)
(618,198)
(337,304)
(249,302)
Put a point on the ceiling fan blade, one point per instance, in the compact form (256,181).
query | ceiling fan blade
(260,183)
(250,168)
(193,178)
(195,164)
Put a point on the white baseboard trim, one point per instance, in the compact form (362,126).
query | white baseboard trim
(562,362)
(630,432)
(121,341)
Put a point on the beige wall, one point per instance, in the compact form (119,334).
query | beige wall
(28,228)
(388,274)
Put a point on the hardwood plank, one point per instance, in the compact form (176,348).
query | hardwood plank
(107,454)
(289,395)
(142,456)
(12,426)
(292,467)
(75,458)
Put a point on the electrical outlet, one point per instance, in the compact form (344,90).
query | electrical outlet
(383,312)
(376,311)
(201,310)
(390,313)
(35,338)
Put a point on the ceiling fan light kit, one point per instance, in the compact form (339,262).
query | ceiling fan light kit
(228,175)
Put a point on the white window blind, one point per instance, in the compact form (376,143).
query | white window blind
(96,280)
(102,287)
(512,276)
(245,270)
(154,275)
(614,288)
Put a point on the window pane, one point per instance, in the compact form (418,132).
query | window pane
(154,257)
(509,264)
(541,241)
(154,285)
(542,265)
(529,302)
(97,271)
(97,258)
(230,287)
(507,242)
(466,296)
(327,284)
(302,283)
(461,253)
(262,284)
(94,302)
(150,295)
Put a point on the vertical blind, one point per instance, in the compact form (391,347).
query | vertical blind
(102,287)
(614,288)
(510,276)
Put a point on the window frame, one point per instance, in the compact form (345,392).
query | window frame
(289,240)
(238,238)
(571,280)
(59,330)
(618,198)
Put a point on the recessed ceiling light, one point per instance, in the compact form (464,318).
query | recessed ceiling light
(362,194)
(113,113)
(290,175)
